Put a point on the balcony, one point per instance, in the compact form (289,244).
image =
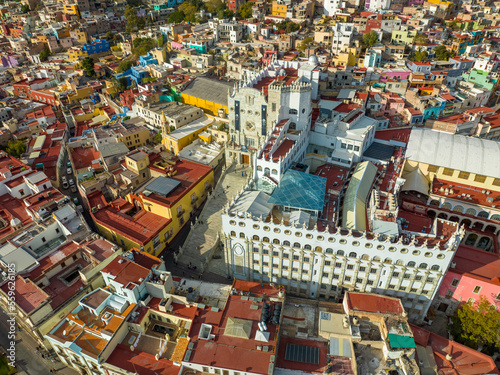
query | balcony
(180,213)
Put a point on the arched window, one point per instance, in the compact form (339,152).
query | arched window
(274,172)
(340,252)
(255,238)
(233,233)
(242,235)
(307,247)
(376,259)
(276,241)
(265,239)
(399,262)
(329,251)
(423,265)
(297,245)
(411,264)
(292,111)
(259,168)
(388,261)
(435,267)
(286,243)
(352,255)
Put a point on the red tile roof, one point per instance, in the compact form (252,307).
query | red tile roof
(28,296)
(125,271)
(374,303)
(464,361)
(309,368)
(140,362)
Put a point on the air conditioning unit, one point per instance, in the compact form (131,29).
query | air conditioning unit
(453,265)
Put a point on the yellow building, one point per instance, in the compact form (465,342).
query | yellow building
(153,215)
(208,94)
(80,93)
(279,9)
(176,140)
(453,170)
(71,9)
(76,53)
(80,36)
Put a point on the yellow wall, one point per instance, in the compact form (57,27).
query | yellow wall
(278,10)
(206,105)
(132,141)
(175,145)
(75,54)
(80,94)
(129,244)
(490,183)
(184,203)
(71,9)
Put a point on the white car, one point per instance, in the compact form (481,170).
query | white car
(71,182)
(64,182)
(69,171)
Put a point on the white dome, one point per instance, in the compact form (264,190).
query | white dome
(14,222)
(313,60)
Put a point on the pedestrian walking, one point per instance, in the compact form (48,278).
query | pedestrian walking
(199,277)
(183,273)
(241,173)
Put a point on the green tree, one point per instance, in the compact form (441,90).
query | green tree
(454,25)
(134,22)
(289,26)
(213,6)
(157,138)
(15,148)
(442,53)
(370,39)
(477,325)
(143,45)
(176,17)
(245,10)
(420,55)
(109,36)
(124,66)
(189,11)
(225,13)
(25,8)
(420,39)
(88,66)
(306,42)
(122,84)
(44,55)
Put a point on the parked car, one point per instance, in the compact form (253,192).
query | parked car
(64,182)
(68,164)
(73,188)
(71,182)
(69,171)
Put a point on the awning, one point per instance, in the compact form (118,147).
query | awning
(416,181)
(398,341)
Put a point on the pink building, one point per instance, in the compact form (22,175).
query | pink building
(394,74)
(474,273)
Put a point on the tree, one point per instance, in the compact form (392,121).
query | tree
(370,39)
(442,53)
(176,17)
(189,11)
(44,55)
(88,66)
(157,138)
(134,22)
(420,39)
(124,66)
(109,36)
(454,25)
(143,45)
(420,55)
(122,84)
(15,148)
(245,10)
(477,325)
(25,8)
(306,42)
(213,6)
(225,13)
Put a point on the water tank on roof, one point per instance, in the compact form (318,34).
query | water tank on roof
(313,60)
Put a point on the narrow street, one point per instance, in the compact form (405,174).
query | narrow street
(26,359)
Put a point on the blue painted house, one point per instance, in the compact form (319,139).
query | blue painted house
(147,59)
(134,75)
(97,46)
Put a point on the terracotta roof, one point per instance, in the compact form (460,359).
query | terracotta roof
(28,296)
(374,303)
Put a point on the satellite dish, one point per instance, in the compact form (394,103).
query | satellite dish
(377,98)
